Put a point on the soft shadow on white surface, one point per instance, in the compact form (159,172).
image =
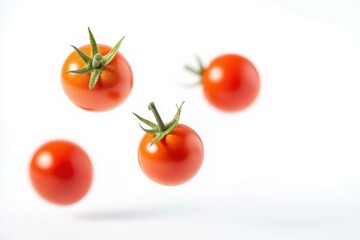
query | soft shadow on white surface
(214,219)
(140,213)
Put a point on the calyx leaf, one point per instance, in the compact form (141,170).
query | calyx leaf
(160,130)
(95,63)
(198,70)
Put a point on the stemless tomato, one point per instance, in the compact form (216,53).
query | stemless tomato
(169,154)
(94,83)
(61,172)
(230,82)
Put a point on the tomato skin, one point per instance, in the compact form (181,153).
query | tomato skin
(231,82)
(61,172)
(173,160)
(113,87)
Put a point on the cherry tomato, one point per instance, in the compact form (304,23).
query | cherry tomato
(97,83)
(172,154)
(230,82)
(61,172)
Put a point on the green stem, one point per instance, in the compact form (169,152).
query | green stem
(97,60)
(160,130)
(198,70)
(159,121)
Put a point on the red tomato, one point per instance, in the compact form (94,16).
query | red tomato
(173,160)
(230,82)
(169,154)
(61,172)
(112,87)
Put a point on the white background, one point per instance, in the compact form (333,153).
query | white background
(286,168)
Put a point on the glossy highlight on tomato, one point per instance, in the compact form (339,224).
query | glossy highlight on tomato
(169,154)
(230,82)
(96,77)
(61,172)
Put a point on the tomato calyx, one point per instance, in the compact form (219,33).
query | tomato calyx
(160,130)
(96,62)
(198,70)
